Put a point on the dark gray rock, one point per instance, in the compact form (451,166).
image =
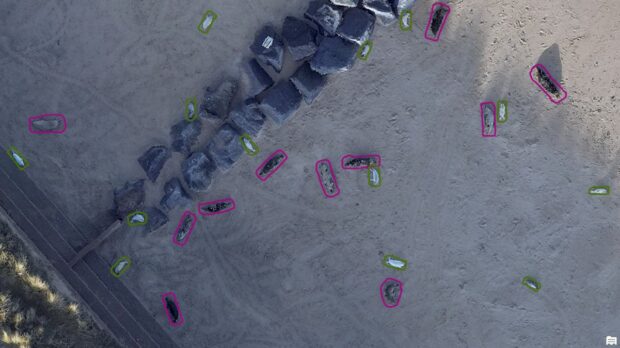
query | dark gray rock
(129,198)
(357,25)
(174,195)
(156,219)
(308,82)
(217,100)
(153,160)
(345,3)
(382,9)
(184,135)
(257,78)
(281,102)
(269,48)
(299,37)
(325,15)
(225,147)
(197,171)
(247,117)
(334,55)
(398,6)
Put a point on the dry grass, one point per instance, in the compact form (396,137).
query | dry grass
(32,314)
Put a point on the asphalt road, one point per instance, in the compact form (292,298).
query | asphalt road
(60,240)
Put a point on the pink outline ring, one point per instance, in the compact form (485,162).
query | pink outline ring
(34,118)
(202,204)
(556,83)
(443,22)
(274,170)
(378,158)
(482,119)
(400,295)
(181,320)
(189,233)
(331,171)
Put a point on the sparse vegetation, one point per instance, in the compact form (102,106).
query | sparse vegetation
(32,313)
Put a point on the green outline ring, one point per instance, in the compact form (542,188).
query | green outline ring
(370,166)
(400,20)
(534,280)
(26,163)
(116,264)
(505,103)
(247,151)
(599,194)
(190,100)
(204,16)
(359,50)
(386,264)
(134,224)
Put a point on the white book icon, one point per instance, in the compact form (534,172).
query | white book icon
(611,341)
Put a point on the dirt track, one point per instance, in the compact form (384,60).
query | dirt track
(290,268)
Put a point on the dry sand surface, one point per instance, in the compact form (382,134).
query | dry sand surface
(289,268)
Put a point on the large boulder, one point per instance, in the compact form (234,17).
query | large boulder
(269,48)
(197,171)
(225,147)
(247,117)
(281,102)
(382,9)
(129,198)
(345,3)
(156,219)
(308,82)
(257,79)
(357,25)
(334,55)
(398,6)
(184,135)
(299,37)
(174,195)
(217,100)
(153,160)
(325,15)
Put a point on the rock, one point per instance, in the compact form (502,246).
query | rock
(398,6)
(217,100)
(334,55)
(184,135)
(325,15)
(281,102)
(156,219)
(299,37)
(129,198)
(269,48)
(382,9)
(174,195)
(153,160)
(357,25)
(257,79)
(197,171)
(225,147)
(345,3)
(247,117)
(308,82)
